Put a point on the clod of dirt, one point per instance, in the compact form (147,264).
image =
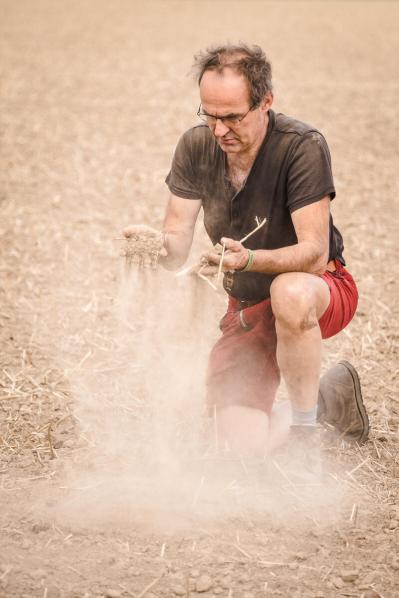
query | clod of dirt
(337,582)
(349,575)
(142,249)
(195,573)
(393,524)
(380,558)
(111,593)
(178,589)
(319,594)
(300,556)
(26,544)
(226,582)
(204,583)
(395,563)
(37,528)
(371,594)
(394,513)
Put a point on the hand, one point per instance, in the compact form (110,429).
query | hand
(235,257)
(140,229)
(144,232)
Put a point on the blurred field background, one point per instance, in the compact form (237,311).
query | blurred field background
(93,98)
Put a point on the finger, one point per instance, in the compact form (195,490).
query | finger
(231,245)
(128,231)
(211,257)
(136,229)
(208,270)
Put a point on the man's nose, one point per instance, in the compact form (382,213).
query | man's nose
(220,128)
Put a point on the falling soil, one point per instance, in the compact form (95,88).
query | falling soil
(142,250)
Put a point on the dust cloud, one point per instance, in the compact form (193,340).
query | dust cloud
(152,456)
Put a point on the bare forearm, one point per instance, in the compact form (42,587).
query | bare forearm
(178,229)
(310,254)
(306,256)
(177,244)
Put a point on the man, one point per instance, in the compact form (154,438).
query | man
(287,284)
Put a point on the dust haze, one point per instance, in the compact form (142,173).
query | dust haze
(154,455)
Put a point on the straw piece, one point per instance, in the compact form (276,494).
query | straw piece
(186,270)
(254,231)
(353,517)
(352,471)
(244,552)
(207,280)
(150,586)
(192,267)
(220,264)
(50,441)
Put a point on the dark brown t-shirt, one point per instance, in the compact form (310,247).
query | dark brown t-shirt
(292,169)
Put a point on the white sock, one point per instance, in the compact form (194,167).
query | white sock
(304,418)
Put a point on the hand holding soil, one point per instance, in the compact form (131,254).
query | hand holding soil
(144,245)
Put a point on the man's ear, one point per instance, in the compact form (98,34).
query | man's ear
(267,101)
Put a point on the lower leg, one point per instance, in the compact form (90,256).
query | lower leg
(298,302)
(299,359)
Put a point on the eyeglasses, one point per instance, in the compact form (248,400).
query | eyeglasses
(231,120)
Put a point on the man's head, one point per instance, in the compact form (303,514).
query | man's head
(236,94)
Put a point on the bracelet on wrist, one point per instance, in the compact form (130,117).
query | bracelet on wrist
(248,265)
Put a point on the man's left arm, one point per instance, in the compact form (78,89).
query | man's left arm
(310,254)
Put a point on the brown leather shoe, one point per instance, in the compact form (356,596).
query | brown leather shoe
(341,404)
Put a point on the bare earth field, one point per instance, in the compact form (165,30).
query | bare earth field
(110,484)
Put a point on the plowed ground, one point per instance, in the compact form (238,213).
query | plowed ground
(94,96)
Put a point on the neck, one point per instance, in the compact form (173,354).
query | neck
(244,159)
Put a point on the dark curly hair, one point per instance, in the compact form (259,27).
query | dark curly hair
(249,61)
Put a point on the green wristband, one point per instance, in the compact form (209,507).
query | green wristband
(248,265)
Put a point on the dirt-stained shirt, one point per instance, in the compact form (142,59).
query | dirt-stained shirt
(292,169)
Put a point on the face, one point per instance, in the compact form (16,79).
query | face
(224,94)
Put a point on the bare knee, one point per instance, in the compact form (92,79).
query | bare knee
(294,302)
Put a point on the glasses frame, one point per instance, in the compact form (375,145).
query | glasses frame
(203,116)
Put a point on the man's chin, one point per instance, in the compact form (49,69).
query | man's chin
(232,146)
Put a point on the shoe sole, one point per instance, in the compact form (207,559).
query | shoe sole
(359,401)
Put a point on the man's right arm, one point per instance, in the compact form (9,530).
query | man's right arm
(178,228)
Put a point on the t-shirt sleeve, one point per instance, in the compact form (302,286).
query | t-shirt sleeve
(309,174)
(181,179)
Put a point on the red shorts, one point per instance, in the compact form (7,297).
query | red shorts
(243,367)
